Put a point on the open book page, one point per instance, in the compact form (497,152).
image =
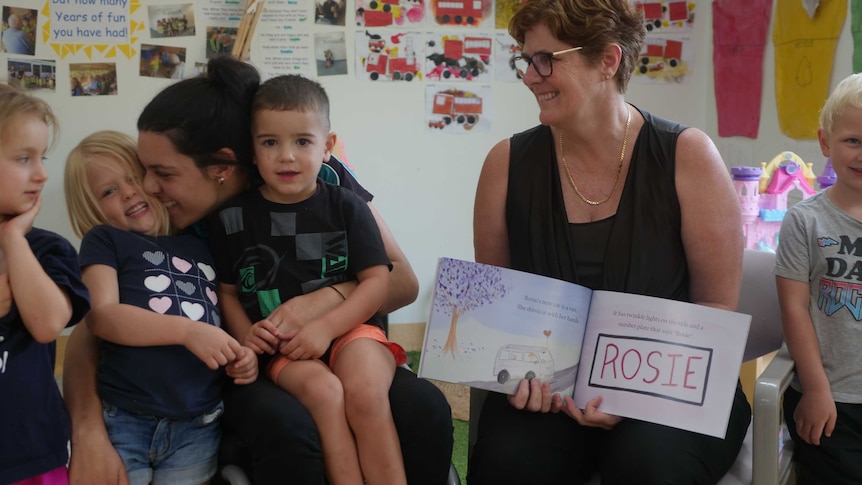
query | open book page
(663,361)
(490,327)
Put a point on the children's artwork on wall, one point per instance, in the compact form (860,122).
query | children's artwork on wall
(804,57)
(739,32)
(503,12)
(664,60)
(667,16)
(105,30)
(461,13)
(389,55)
(451,109)
(171,20)
(220,40)
(856,31)
(35,74)
(330,53)
(93,78)
(286,53)
(390,13)
(163,61)
(458,57)
(505,50)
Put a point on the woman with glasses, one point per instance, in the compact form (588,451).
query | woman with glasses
(612,197)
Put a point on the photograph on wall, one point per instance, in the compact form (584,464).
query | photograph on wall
(19,31)
(163,61)
(461,13)
(664,60)
(32,74)
(453,110)
(453,57)
(388,13)
(93,78)
(171,20)
(329,12)
(505,50)
(330,53)
(667,16)
(389,55)
(199,69)
(220,40)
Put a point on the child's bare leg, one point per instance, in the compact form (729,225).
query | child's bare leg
(366,369)
(320,391)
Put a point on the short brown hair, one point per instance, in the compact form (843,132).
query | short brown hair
(591,24)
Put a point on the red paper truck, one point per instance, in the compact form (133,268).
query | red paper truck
(463,59)
(657,55)
(397,68)
(655,13)
(459,12)
(379,13)
(461,107)
(380,63)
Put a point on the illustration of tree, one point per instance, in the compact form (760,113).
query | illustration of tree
(462,287)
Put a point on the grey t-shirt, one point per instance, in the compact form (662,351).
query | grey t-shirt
(821,245)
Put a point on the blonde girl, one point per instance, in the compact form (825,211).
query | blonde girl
(156,314)
(41,293)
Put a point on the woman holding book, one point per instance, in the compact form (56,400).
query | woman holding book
(611,197)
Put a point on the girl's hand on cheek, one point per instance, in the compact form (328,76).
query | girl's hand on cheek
(19,225)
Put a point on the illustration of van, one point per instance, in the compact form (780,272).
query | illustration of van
(523,361)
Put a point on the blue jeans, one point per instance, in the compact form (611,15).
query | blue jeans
(165,451)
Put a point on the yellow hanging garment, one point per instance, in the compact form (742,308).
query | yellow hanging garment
(804,55)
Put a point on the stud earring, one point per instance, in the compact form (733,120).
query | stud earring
(220,180)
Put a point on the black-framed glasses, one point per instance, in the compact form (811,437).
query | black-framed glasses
(542,62)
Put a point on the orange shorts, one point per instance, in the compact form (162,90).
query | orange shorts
(360,331)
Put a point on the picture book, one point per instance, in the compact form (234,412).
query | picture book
(653,359)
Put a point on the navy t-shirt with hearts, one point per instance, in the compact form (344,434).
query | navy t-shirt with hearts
(171,275)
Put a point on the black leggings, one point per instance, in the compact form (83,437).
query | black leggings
(521,447)
(838,459)
(283,446)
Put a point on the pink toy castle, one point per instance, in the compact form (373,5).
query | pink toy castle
(763,194)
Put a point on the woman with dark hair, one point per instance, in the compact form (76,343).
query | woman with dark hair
(195,142)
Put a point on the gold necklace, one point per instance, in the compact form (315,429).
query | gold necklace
(619,167)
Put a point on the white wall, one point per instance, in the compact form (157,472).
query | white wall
(424,182)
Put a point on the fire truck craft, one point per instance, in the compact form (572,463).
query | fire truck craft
(462,107)
(464,59)
(656,55)
(660,14)
(459,12)
(397,68)
(386,13)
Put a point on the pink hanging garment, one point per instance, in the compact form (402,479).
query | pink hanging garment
(739,30)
